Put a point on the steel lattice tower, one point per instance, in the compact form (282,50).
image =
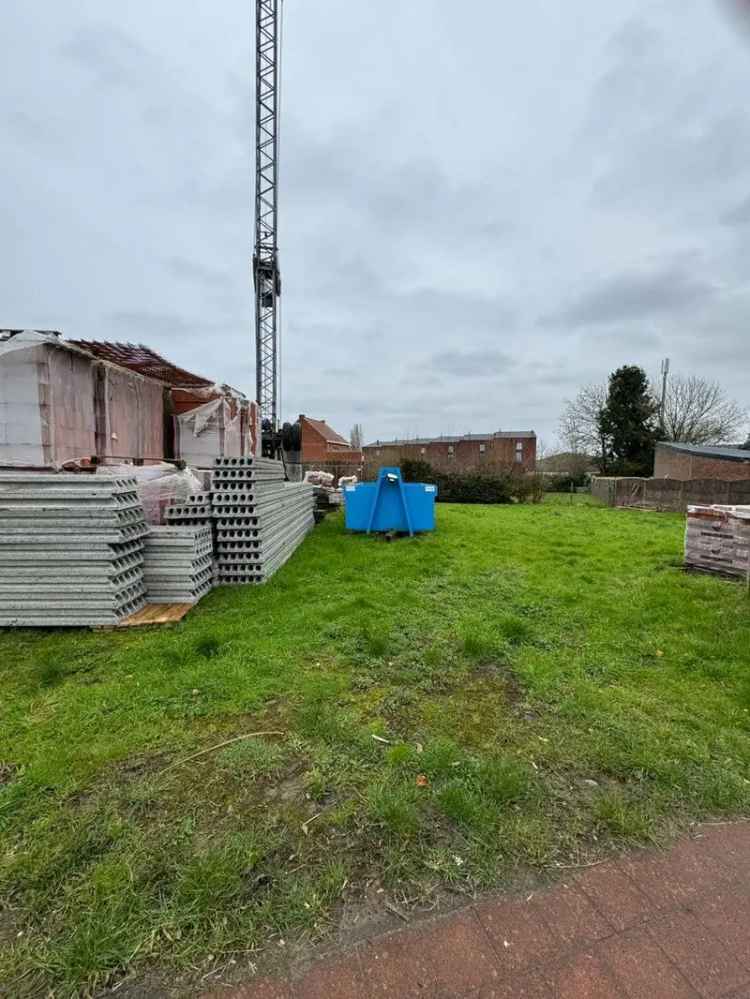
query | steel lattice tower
(266,275)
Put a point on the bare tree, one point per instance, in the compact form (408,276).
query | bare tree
(357,437)
(580,424)
(697,411)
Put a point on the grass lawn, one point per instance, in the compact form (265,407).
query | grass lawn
(545,684)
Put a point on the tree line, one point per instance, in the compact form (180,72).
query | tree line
(619,424)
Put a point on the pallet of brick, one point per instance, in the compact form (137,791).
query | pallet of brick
(178,564)
(71,549)
(717,540)
(259,518)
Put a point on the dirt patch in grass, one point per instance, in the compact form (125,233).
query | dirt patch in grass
(8,772)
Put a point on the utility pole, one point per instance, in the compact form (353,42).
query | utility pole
(663,403)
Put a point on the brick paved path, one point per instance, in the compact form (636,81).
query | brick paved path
(672,925)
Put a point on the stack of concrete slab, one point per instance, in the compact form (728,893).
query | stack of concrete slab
(195,511)
(259,519)
(717,540)
(178,564)
(71,549)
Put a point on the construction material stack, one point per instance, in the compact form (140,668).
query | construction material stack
(259,519)
(71,549)
(178,564)
(717,540)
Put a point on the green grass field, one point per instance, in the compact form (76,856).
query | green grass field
(545,684)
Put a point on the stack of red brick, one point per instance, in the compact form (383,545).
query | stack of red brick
(717,540)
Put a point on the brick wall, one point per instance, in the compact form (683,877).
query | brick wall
(671,464)
(459,456)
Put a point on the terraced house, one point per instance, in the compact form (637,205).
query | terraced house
(509,449)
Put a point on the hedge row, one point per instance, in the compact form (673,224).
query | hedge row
(475,487)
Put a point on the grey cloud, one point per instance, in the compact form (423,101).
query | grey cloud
(108,53)
(140,324)
(194,271)
(633,296)
(472,363)
(739,215)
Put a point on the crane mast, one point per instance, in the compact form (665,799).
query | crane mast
(266,275)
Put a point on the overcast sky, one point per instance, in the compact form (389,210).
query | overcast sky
(483,205)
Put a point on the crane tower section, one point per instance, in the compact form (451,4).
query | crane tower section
(266,275)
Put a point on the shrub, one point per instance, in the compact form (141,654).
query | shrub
(492,485)
(565,483)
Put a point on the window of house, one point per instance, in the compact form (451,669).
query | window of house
(482,448)
(519,451)
(423,450)
(377,454)
(450,449)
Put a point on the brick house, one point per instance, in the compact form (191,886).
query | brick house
(686,462)
(321,445)
(507,449)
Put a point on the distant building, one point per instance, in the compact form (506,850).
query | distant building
(508,449)
(321,445)
(686,462)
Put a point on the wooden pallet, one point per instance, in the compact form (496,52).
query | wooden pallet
(156,614)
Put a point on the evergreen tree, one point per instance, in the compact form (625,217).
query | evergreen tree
(627,422)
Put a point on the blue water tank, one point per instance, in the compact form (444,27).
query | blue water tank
(390,504)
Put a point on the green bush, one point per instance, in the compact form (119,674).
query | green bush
(564,483)
(486,486)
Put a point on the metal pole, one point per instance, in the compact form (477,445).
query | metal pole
(662,405)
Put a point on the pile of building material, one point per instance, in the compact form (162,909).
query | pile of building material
(259,519)
(717,540)
(71,549)
(178,564)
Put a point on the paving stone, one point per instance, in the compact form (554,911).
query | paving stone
(440,953)
(529,985)
(585,976)
(729,843)
(388,968)
(642,969)
(700,956)
(520,935)
(615,895)
(573,919)
(336,978)
(674,878)
(726,913)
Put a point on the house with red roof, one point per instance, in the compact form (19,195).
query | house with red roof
(322,445)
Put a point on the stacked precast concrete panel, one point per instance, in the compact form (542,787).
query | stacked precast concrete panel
(178,564)
(259,519)
(71,549)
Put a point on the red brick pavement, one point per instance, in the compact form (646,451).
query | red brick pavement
(673,925)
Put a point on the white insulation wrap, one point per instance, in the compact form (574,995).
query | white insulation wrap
(46,402)
(208,432)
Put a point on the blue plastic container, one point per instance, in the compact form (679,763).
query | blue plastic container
(390,504)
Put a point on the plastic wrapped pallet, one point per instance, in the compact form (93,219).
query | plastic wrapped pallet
(717,540)
(71,549)
(159,486)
